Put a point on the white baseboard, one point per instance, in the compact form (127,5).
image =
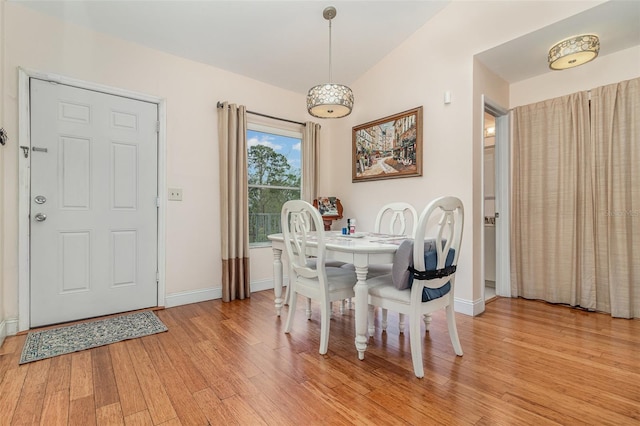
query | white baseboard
(3,331)
(193,296)
(468,307)
(8,327)
(262,285)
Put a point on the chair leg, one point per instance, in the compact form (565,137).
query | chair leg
(343,304)
(384,319)
(325,308)
(308,310)
(416,345)
(287,294)
(453,330)
(371,321)
(292,312)
(427,322)
(401,323)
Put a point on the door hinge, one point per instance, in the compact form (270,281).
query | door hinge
(497,215)
(157,276)
(157,201)
(157,127)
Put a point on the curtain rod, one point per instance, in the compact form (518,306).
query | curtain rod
(267,116)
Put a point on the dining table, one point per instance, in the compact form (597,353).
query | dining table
(361,249)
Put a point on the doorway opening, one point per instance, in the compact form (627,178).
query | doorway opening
(496,218)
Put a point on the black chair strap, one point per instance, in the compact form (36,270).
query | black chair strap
(432,275)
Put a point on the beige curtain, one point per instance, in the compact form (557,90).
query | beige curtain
(234,210)
(310,157)
(615,129)
(552,254)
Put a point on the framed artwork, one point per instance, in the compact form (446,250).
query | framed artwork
(330,208)
(388,148)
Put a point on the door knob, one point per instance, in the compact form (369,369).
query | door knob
(41,217)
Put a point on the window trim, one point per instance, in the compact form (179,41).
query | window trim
(274,130)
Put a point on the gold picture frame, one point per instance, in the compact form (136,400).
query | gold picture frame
(388,148)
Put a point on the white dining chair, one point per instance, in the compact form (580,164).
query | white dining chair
(309,275)
(397,218)
(423,282)
(327,262)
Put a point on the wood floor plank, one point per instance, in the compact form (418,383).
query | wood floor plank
(10,390)
(365,410)
(104,381)
(81,375)
(124,370)
(172,422)
(109,415)
(31,399)
(10,356)
(155,395)
(213,408)
(182,363)
(181,398)
(228,345)
(29,408)
(55,410)
(235,377)
(296,400)
(347,412)
(241,412)
(12,345)
(270,412)
(141,418)
(82,411)
(59,374)
(211,373)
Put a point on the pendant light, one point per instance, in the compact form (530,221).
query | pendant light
(329,100)
(574,51)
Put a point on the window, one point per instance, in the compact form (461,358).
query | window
(274,177)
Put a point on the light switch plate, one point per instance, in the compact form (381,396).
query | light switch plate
(175,194)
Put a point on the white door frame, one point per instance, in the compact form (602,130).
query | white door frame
(24,178)
(502,192)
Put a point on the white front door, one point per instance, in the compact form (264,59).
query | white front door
(93,211)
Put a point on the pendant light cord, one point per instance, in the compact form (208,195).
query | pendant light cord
(330,75)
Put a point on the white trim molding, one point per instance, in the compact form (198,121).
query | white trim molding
(262,285)
(8,327)
(196,296)
(468,307)
(192,296)
(3,331)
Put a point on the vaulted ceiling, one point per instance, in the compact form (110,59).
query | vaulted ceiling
(286,43)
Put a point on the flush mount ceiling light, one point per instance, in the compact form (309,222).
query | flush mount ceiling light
(329,100)
(574,51)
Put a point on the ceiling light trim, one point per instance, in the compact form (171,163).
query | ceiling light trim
(573,51)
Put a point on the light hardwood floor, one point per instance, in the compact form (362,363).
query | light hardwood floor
(524,363)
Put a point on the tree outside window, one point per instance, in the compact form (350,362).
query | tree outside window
(274,160)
